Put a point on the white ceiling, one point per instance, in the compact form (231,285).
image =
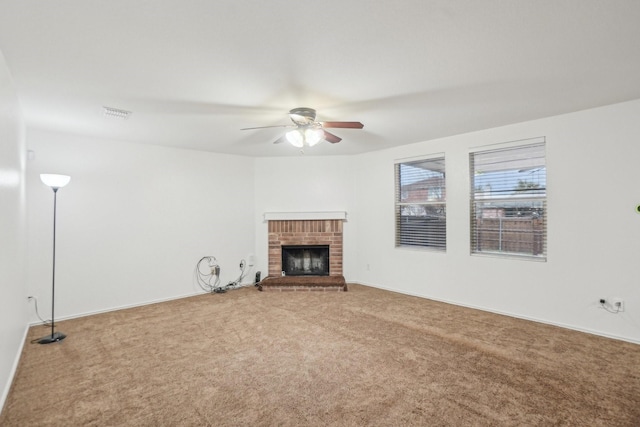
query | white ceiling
(195,72)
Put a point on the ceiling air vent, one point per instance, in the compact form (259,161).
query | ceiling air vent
(117,113)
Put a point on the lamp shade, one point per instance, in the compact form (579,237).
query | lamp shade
(55,180)
(313,136)
(295,137)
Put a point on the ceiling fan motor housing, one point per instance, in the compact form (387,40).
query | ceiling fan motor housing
(302,116)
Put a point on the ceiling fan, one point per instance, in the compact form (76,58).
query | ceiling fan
(307,131)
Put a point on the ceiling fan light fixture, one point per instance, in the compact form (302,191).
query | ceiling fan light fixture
(313,136)
(295,138)
(307,130)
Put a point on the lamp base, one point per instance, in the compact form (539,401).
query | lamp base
(58,336)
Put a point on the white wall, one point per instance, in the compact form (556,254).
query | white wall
(305,184)
(133,222)
(593,229)
(13,301)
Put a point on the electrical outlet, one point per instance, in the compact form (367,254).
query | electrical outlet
(617,304)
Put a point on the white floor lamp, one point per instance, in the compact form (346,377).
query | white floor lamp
(56,182)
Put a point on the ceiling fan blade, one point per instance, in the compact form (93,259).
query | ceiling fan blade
(280,140)
(345,125)
(266,127)
(331,137)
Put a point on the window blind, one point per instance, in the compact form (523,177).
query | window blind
(421,204)
(508,200)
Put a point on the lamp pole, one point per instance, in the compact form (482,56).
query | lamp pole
(55,182)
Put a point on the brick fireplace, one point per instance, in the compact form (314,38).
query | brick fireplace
(307,232)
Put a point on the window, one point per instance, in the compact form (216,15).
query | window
(508,200)
(420,204)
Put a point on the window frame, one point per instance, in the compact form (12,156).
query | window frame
(430,233)
(537,210)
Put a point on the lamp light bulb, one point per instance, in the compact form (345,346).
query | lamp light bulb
(295,137)
(313,136)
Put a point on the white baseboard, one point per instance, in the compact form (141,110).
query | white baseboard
(504,313)
(13,371)
(122,307)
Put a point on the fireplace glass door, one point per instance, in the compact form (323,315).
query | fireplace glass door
(302,260)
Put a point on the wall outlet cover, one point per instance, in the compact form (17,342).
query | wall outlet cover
(617,304)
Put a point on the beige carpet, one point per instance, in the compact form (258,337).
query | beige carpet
(363,357)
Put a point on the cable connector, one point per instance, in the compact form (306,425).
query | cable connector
(616,304)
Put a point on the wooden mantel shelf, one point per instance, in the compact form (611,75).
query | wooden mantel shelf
(304,216)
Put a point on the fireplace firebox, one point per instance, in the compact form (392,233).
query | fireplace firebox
(305,260)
